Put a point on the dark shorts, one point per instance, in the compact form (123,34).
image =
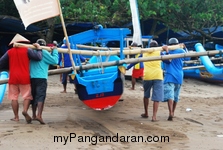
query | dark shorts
(157,89)
(65,76)
(38,89)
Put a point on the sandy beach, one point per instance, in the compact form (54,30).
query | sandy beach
(72,125)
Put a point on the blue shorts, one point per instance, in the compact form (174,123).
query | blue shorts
(171,91)
(157,86)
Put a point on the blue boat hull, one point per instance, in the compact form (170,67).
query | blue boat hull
(3,75)
(203,74)
(101,100)
(210,72)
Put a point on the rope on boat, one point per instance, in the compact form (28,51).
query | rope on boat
(107,58)
(100,65)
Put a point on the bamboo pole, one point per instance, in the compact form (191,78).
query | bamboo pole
(97,47)
(200,66)
(126,52)
(3,81)
(129,48)
(128,61)
(66,36)
(133,51)
(199,61)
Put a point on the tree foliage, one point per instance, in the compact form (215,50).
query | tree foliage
(190,16)
(114,12)
(7,7)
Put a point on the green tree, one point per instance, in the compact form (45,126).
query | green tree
(190,16)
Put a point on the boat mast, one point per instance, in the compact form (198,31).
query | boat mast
(137,36)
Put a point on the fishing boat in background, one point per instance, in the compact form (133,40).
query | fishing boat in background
(205,68)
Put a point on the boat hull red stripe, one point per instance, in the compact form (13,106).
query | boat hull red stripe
(102,103)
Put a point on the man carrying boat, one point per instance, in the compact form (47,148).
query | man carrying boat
(173,78)
(39,75)
(137,71)
(152,80)
(18,59)
(64,59)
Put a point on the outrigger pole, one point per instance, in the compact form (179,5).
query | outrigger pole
(137,60)
(112,51)
(66,37)
(197,62)
(128,61)
(200,66)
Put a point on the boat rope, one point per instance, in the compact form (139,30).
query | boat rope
(107,58)
(100,65)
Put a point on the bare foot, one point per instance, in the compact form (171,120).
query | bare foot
(14,119)
(154,119)
(63,92)
(144,115)
(170,118)
(131,89)
(40,120)
(27,117)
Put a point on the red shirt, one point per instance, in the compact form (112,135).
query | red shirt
(18,66)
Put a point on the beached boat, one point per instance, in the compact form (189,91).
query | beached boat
(102,87)
(206,68)
(99,88)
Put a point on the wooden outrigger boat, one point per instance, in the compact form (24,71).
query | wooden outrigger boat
(206,68)
(99,88)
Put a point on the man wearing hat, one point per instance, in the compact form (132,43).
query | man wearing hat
(39,76)
(173,78)
(19,74)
